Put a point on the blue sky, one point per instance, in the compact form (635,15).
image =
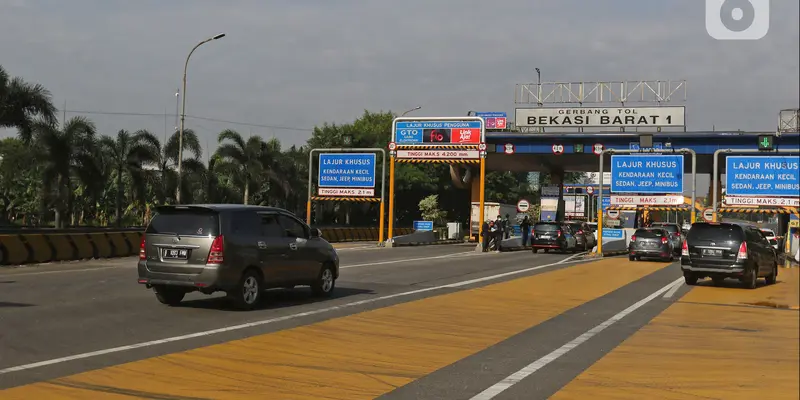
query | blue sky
(298,64)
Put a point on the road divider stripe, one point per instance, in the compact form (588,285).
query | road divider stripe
(531,368)
(269,321)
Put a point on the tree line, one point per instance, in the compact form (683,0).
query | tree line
(69,174)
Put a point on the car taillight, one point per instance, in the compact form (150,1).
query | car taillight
(742,251)
(678,234)
(664,240)
(633,238)
(558,233)
(685,249)
(142,249)
(580,232)
(215,255)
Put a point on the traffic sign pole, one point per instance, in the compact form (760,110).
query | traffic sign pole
(600,186)
(715,173)
(347,150)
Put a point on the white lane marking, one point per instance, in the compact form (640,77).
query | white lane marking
(531,368)
(265,321)
(673,290)
(463,254)
(133,265)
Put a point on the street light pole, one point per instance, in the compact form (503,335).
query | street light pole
(411,110)
(183,113)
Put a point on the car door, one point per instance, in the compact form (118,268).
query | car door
(769,255)
(302,256)
(756,248)
(274,250)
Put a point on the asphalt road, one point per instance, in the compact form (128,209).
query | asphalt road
(509,326)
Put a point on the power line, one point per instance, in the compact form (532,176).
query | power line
(161,115)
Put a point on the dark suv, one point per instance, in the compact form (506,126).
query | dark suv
(675,234)
(583,234)
(651,243)
(728,250)
(553,236)
(241,250)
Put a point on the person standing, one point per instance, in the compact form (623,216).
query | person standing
(498,223)
(485,236)
(525,227)
(507,226)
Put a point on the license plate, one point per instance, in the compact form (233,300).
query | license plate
(177,254)
(712,252)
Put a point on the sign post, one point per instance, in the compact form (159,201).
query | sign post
(523,206)
(593,117)
(774,166)
(708,215)
(346,174)
(634,184)
(445,140)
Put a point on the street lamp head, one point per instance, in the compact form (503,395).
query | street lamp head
(219,36)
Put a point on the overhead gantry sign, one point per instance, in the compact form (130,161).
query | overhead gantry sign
(446,140)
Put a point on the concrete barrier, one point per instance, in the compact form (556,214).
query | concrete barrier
(62,245)
(419,238)
(615,241)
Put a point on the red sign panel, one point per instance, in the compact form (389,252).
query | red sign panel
(465,135)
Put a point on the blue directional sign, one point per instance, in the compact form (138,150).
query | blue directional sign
(635,146)
(646,173)
(437,132)
(612,233)
(423,225)
(763,176)
(347,170)
(491,114)
(605,204)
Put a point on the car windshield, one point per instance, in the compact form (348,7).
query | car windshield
(182,222)
(546,227)
(649,233)
(715,232)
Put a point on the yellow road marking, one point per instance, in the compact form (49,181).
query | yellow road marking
(710,345)
(356,357)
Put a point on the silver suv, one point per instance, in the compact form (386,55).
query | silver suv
(240,250)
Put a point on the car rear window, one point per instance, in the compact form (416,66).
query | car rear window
(768,232)
(185,222)
(649,233)
(546,227)
(669,228)
(717,233)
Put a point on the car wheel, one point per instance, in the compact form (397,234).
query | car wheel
(247,293)
(751,279)
(631,258)
(325,282)
(718,281)
(773,277)
(170,296)
(690,278)
(546,250)
(534,251)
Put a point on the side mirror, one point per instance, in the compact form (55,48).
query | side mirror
(316,233)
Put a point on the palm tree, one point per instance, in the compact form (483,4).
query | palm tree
(127,154)
(243,155)
(20,102)
(166,181)
(64,153)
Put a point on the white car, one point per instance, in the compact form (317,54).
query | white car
(770,234)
